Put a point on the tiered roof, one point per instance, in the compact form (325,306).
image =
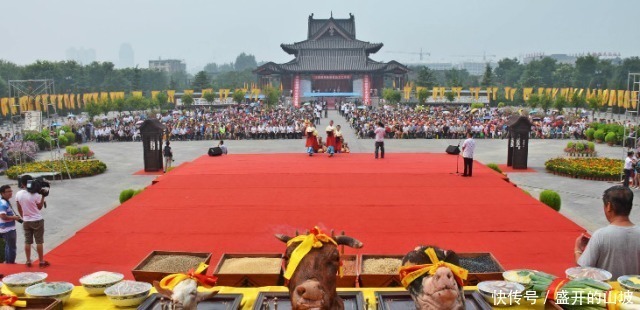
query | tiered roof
(331,46)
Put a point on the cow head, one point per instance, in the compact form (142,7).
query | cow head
(313,262)
(181,290)
(433,278)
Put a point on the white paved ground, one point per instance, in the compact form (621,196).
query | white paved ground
(74,204)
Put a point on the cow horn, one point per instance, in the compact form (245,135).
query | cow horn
(348,241)
(283,238)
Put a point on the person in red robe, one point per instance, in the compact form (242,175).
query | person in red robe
(339,139)
(312,139)
(331,139)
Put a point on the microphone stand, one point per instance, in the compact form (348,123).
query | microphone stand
(458,159)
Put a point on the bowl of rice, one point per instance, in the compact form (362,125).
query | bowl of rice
(128,293)
(57,290)
(18,282)
(97,282)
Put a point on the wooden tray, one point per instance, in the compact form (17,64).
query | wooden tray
(349,280)
(378,280)
(402,300)
(476,277)
(150,276)
(218,302)
(246,279)
(42,304)
(352,300)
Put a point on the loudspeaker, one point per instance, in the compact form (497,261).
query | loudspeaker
(453,149)
(215,151)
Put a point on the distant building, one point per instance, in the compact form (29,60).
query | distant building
(476,68)
(81,55)
(559,58)
(439,66)
(126,59)
(168,65)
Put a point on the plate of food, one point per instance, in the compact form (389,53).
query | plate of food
(500,292)
(589,273)
(630,282)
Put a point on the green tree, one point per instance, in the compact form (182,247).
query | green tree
(162,98)
(423,95)
(577,101)
(426,78)
(200,81)
(545,102)
(508,72)
(534,101)
(449,96)
(560,103)
(245,61)
(238,96)
(391,95)
(594,104)
(272,95)
(210,97)
(487,78)
(93,109)
(563,76)
(187,101)
(585,72)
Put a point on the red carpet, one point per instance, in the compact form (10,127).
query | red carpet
(235,204)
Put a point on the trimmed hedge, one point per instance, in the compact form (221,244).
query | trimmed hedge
(551,199)
(77,169)
(599,135)
(605,169)
(494,167)
(589,133)
(610,138)
(126,195)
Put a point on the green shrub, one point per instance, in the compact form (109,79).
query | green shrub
(71,150)
(579,146)
(126,195)
(551,199)
(85,150)
(570,145)
(591,146)
(63,141)
(610,137)
(599,135)
(500,104)
(477,105)
(494,167)
(71,137)
(589,133)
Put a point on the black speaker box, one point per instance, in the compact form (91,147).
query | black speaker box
(453,149)
(215,151)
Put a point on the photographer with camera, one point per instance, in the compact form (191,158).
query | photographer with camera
(8,220)
(30,200)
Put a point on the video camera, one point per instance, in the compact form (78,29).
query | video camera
(38,185)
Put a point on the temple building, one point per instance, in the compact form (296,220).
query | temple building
(332,64)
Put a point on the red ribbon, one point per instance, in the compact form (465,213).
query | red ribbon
(206,281)
(8,300)
(555,286)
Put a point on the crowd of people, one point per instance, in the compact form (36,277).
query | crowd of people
(440,123)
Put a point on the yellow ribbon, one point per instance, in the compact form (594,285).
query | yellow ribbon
(170,281)
(409,274)
(315,239)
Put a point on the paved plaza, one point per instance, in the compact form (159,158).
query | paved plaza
(75,203)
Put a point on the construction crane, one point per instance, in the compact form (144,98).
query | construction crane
(421,53)
(484,56)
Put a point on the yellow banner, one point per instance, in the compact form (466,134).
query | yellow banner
(12,106)
(526,93)
(612,97)
(60,101)
(512,93)
(494,92)
(564,92)
(540,91)
(207,90)
(171,94)
(548,91)
(73,100)
(155,93)
(507,91)
(621,98)
(4,107)
(634,99)
(136,93)
(554,93)
(407,92)
(188,92)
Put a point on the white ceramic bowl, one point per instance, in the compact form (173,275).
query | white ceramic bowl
(128,293)
(18,282)
(593,273)
(625,282)
(97,282)
(57,290)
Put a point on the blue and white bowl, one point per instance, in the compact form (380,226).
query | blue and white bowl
(97,282)
(18,282)
(128,293)
(57,290)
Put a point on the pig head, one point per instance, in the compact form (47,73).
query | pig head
(313,283)
(184,296)
(441,290)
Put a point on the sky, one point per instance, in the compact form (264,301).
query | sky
(204,31)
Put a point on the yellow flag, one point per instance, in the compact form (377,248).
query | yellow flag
(171,94)
(136,93)
(60,101)
(612,97)
(526,93)
(507,91)
(207,90)
(620,98)
(513,92)
(634,99)
(564,92)
(555,92)
(12,105)
(494,92)
(4,108)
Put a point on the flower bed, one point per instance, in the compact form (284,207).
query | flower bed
(78,153)
(604,169)
(77,169)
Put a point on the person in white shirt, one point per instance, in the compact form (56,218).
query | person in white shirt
(468,148)
(628,168)
(29,206)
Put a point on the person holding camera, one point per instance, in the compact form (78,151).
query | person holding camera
(8,220)
(30,203)
(168,156)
